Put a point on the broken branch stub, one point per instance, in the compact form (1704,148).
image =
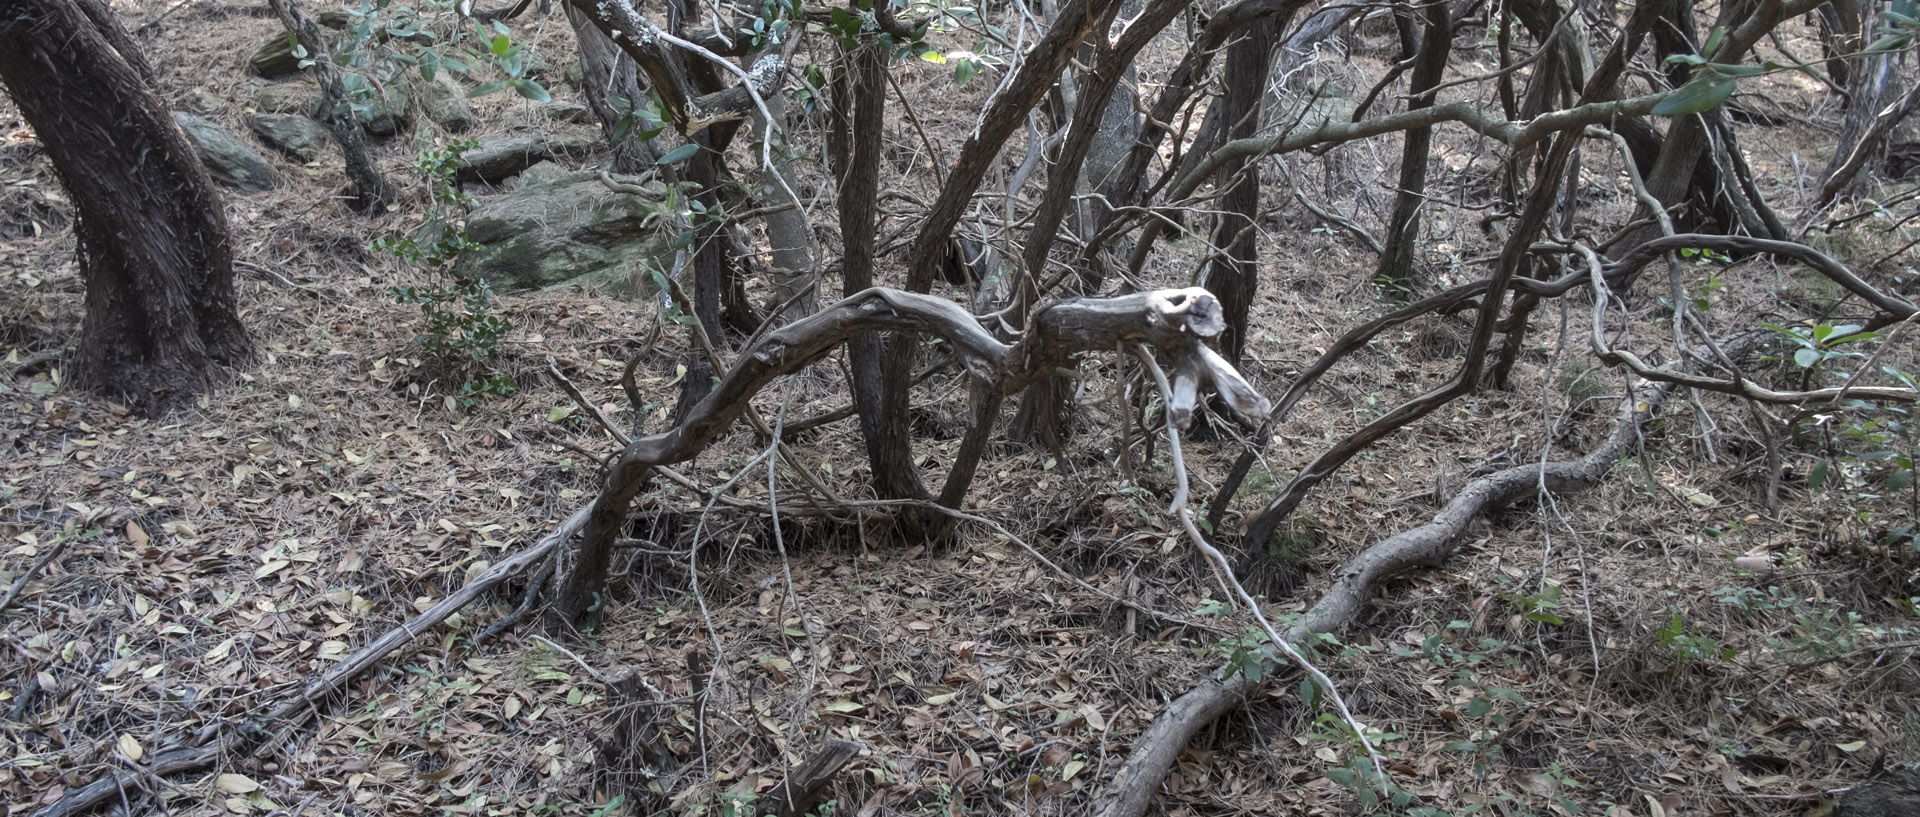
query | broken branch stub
(1173,322)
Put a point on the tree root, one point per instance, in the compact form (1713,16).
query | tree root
(1155,751)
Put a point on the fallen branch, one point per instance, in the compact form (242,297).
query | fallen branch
(1156,749)
(45,559)
(801,791)
(294,710)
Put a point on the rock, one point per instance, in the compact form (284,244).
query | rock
(445,102)
(561,228)
(204,100)
(535,66)
(300,138)
(286,97)
(228,160)
(573,112)
(392,108)
(1895,795)
(504,156)
(274,59)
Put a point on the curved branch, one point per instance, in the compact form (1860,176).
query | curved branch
(1173,321)
(1428,545)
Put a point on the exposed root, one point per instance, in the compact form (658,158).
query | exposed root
(1156,749)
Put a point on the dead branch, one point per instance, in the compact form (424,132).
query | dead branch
(19,584)
(1174,322)
(1426,546)
(801,791)
(295,709)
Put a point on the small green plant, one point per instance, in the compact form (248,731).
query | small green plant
(1686,646)
(379,37)
(461,336)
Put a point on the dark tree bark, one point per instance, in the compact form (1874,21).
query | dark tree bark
(1042,414)
(371,193)
(605,72)
(883,412)
(1403,229)
(154,247)
(1232,274)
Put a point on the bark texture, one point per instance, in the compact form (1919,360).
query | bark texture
(154,246)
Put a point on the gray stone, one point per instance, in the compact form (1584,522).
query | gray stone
(204,100)
(274,58)
(300,138)
(392,108)
(286,97)
(228,160)
(573,112)
(444,101)
(504,156)
(535,66)
(561,228)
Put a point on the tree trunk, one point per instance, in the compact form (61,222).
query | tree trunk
(1232,273)
(883,411)
(789,237)
(371,194)
(154,248)
(606,72)
(1395,275)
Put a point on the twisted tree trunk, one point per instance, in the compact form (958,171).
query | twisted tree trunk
(155,251)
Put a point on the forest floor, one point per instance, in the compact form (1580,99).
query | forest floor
(1652,647)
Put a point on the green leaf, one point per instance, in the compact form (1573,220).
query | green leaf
(1899,480)
(559,413)
(1731,70)
(530,89)
(934,57)
(1806,358)
(1713,40)
(500,45)
(486,88)
(679,154)
(1818,476)
(1702,94)
(1889,44)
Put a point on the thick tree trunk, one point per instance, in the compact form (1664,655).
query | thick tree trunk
(154,247)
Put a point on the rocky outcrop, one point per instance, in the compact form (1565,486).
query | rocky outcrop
(391,108)
(230,161)
(296,136)
(286,97)
(274,59)
(504,156)
(560,228)
(444,102)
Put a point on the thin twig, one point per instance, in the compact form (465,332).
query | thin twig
(45,559)
(553,370)
(1179,509)
(576,659)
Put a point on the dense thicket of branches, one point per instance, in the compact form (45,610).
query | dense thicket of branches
(1639,93)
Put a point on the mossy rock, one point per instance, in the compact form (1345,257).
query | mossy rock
(560,228)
